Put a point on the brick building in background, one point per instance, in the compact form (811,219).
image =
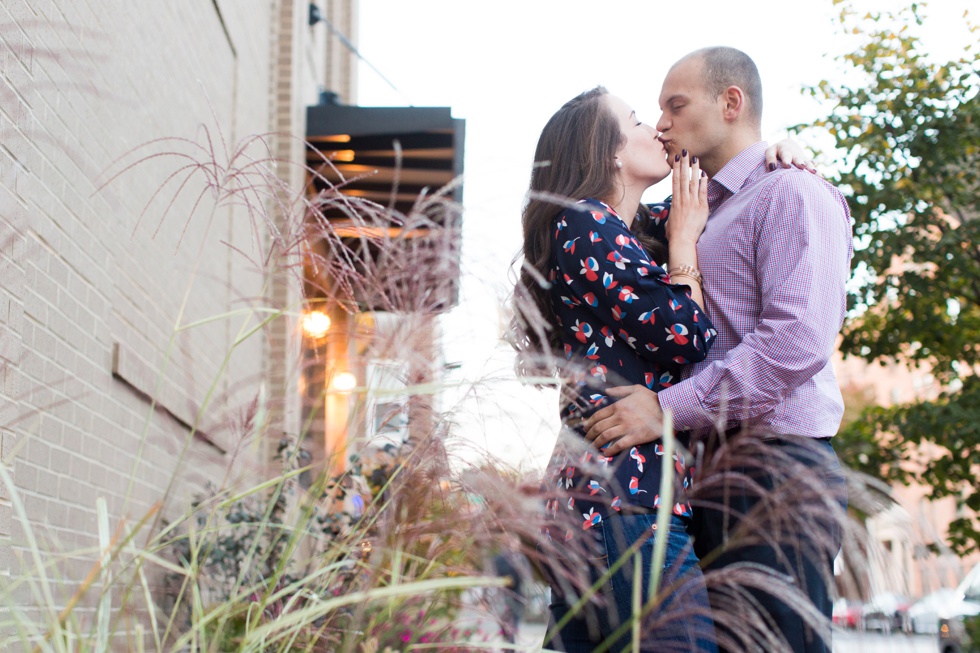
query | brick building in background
(117,380)
(907,552)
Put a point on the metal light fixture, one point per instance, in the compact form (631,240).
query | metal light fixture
(315,15)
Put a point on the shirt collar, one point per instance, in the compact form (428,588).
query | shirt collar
(733,174)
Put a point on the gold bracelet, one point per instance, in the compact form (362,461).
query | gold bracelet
(687,270)
(680,275)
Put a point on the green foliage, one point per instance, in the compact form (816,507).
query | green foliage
(936,442)
(908,132)
(862,445)
(278,569)
(911,132)
(971,628)
(859,440)
(237,554)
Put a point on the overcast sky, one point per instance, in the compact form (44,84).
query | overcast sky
(507,66)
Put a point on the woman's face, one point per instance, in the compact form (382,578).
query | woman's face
(643,156)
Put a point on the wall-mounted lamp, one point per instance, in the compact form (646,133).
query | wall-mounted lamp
(315,15)
(344,382)
(316,324)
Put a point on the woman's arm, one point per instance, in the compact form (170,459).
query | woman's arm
(603,267)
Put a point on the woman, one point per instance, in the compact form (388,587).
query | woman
(615,308)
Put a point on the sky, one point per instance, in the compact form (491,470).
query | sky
(505,67)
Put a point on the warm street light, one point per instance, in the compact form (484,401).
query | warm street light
(316,324)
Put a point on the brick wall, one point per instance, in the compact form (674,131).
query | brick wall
(100,394)
(338,63)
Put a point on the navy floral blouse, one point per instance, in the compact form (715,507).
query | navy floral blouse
(621,322)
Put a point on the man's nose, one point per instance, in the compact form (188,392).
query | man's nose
(663,124)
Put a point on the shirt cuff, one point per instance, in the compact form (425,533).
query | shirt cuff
(685,407)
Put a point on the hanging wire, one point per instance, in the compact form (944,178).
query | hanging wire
(350,46)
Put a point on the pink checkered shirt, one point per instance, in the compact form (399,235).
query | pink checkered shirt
(775,257)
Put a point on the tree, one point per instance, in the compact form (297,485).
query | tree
(907,131)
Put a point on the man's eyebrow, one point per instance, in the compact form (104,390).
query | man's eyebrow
(675,96)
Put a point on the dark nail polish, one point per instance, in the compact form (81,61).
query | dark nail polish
(683,152)
(704,174)
(694,159)
(772,166)
(677,157)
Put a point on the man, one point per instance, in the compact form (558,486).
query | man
(513,566)
(774,260)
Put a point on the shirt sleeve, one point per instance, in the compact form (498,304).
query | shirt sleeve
(604,267)
(655,224)
(803,253)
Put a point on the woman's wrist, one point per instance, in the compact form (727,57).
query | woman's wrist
(682,240)
(686,280)
(680,252)
(688,271)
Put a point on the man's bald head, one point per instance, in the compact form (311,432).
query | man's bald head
(723,67)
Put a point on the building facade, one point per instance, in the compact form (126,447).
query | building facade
(906,550)
(151,157)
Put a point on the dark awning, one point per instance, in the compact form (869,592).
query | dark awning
(401,168)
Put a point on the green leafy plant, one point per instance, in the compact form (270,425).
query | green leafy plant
(907,129)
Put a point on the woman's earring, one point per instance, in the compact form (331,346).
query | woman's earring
(619,164)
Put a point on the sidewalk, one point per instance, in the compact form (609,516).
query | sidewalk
(531,636)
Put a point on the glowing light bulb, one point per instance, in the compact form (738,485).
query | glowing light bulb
(316,324)
(344,382)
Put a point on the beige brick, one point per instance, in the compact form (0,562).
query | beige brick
(35,508)
(56,514)
(47,483)
(38,453)
(11,346)
(60,461)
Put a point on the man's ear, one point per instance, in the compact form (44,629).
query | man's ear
(734,101)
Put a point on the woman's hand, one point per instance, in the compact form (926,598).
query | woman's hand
(689,203)
(786,153)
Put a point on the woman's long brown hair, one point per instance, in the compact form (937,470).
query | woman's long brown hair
(574,159)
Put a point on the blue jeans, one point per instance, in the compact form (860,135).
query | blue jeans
(679,621)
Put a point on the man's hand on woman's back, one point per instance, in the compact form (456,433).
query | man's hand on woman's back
(636,418)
